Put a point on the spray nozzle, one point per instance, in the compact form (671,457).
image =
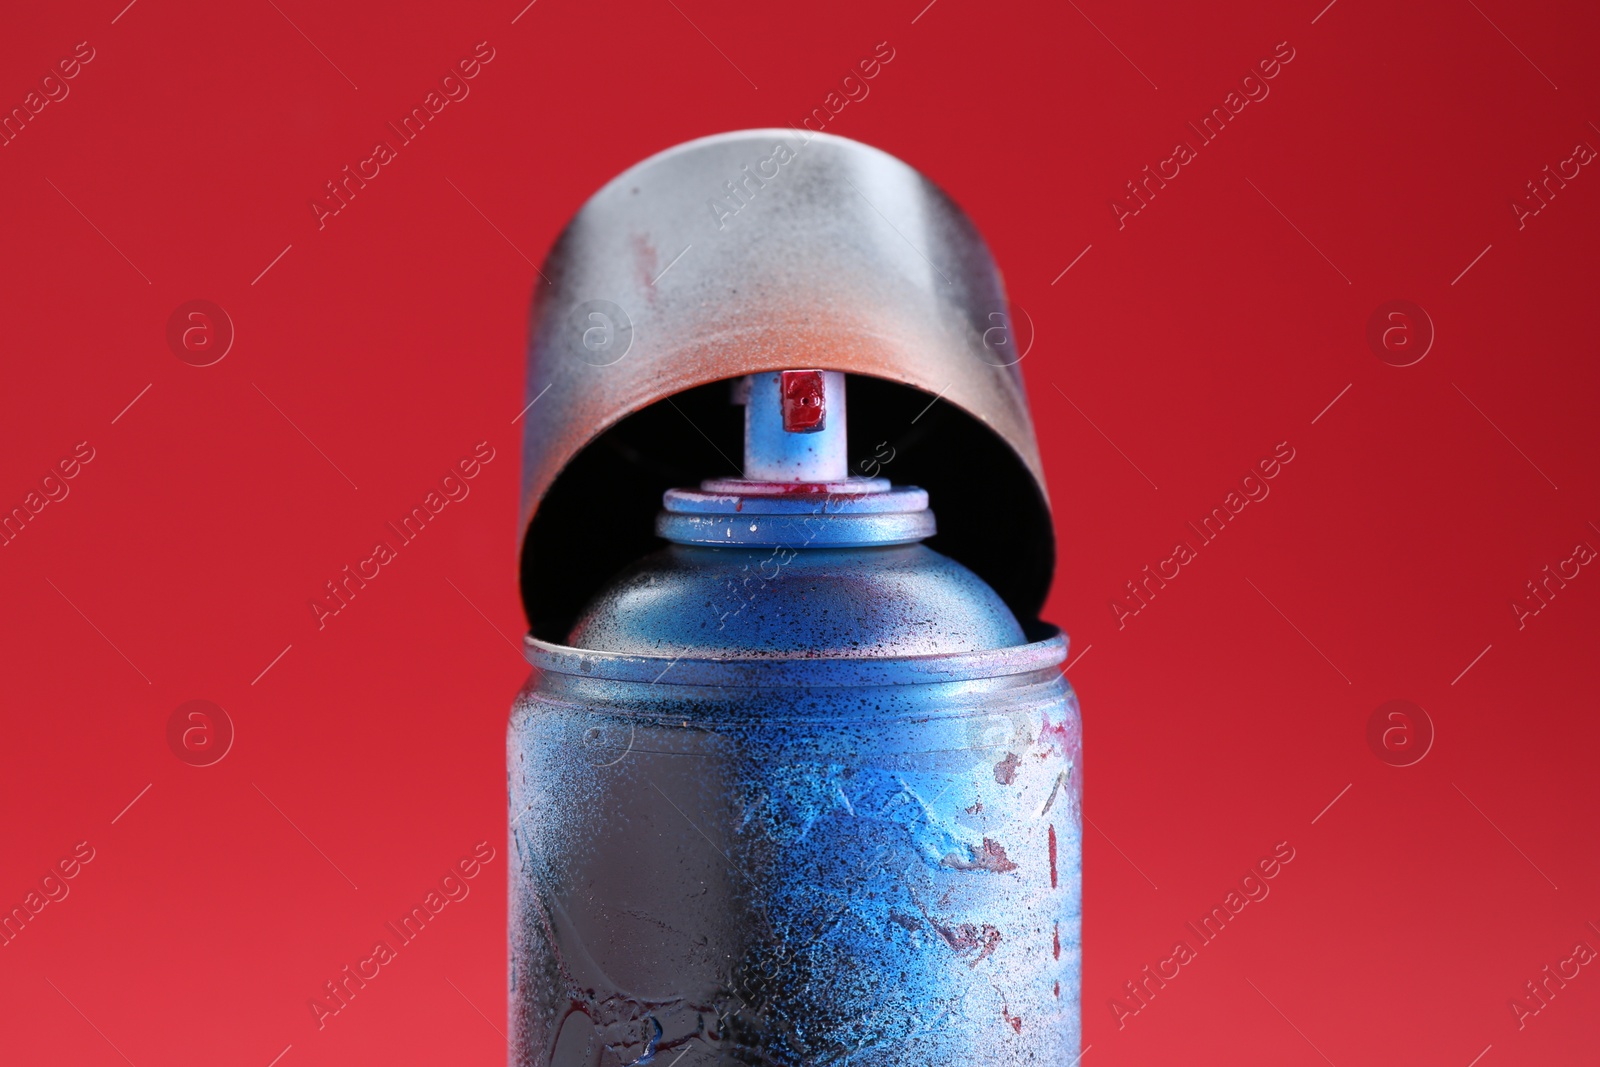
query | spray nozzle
(794,427)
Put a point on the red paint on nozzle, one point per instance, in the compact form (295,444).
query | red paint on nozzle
(804,410)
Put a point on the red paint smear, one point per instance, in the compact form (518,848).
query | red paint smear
(796,489)
(966,936)
(1058,950)
(1062,733)
(780,489)
(804,408)
(1052,855)
(1014,1020)
(1058,990)
(992,857)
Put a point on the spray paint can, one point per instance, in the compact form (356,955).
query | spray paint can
(796,779)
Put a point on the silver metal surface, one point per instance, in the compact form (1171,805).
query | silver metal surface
(765,250)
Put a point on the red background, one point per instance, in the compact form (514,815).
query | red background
(1196,338)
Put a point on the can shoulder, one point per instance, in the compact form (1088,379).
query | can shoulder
(905,600)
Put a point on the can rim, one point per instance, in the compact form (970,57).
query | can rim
(1046,653)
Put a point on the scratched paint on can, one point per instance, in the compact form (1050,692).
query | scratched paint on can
(796,877)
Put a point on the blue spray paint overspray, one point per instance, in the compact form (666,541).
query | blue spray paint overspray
(787,786)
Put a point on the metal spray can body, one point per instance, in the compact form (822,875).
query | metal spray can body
(796,789)
(739,857)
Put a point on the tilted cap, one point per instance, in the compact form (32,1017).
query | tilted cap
(767,250)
